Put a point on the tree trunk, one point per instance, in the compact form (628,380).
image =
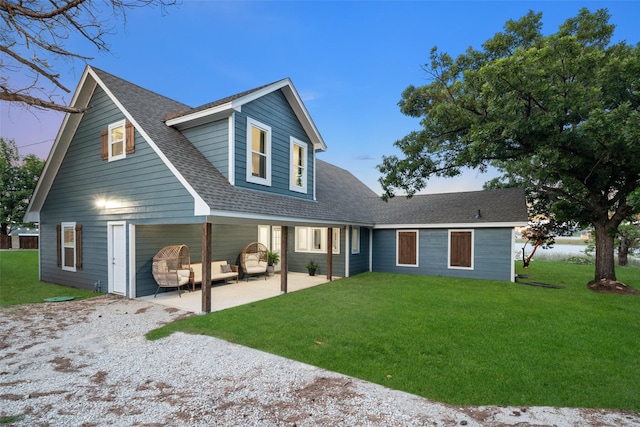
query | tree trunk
(4,229)
(605,260)
(623,251)
(526,260)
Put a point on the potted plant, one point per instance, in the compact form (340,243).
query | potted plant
(272,259)
(312,267)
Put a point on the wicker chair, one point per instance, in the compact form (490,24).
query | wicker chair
(172,267)
(253,260)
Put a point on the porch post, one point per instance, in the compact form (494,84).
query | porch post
(329,253)
(284,259)
(206,267)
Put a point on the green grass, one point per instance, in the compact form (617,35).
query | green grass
(462,342)
(19,282)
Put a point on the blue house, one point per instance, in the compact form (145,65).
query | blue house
(138,171)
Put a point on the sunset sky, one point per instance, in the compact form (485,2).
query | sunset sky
(350,62)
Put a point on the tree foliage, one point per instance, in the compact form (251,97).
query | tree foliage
(557,114)
(18,179)
(542,233)
(34,39)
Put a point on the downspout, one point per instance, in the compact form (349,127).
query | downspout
(370,250)
(513,251)
(132,261)
(347,251)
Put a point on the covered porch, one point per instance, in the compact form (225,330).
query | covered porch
(234,294)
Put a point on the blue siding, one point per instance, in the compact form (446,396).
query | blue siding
(212,139)
(492,254)
(146,189)
(272,110)
(359,263)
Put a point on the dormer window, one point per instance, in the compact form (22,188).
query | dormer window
(258,152)
(298,168)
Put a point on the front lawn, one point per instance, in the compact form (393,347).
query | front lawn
(19,282)
(462,342)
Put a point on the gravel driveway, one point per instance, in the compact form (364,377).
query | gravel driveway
(87,363)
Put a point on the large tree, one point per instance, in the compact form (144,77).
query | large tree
(34,36)
(558,114)
(18,179)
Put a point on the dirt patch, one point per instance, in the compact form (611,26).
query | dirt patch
(607,286)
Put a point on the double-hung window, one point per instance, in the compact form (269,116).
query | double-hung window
(298,180)
(69,246)
(117,141)
(258,152)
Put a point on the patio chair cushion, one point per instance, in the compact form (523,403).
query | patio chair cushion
(216,271)
(254,265)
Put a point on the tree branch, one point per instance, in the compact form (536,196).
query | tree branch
(37,102)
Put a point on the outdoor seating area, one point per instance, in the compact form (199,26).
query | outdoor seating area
(220,270)
(172,267)
(225,296)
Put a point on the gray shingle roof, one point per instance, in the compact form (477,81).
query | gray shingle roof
(341,197)
(495,206)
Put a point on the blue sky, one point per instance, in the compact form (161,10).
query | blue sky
(350,62)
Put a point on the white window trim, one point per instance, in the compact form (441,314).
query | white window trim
(293,143)
(304,240)
(71,225)
(455,267)
(417,232)
(251,123)
(355,240)
(124,140)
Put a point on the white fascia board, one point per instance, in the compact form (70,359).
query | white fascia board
(67,130)
(200,206)
(205,116)
(452,225)
(222,110)
(303,115)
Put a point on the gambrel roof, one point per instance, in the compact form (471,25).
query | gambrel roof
(340,197)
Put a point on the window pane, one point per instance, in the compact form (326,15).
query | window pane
(258,165)
(117,133)
(355,236)
(302,238)
(69,257)
(69,238)
(258,141)
(117,148)
(317,239)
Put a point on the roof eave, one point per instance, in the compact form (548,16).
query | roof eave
(225,110)
(81,97)
(205,116)
(506,224)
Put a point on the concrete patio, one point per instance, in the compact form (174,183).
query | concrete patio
(234,294)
